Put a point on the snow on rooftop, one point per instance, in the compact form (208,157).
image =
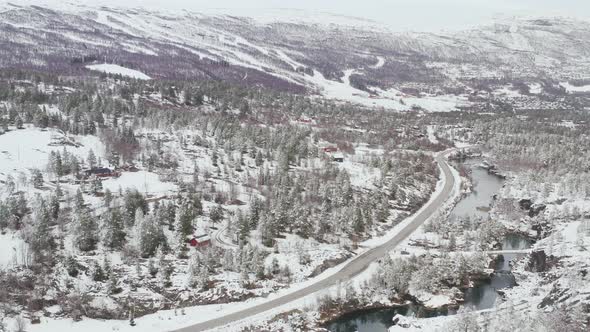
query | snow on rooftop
(535,88)
(337,155)
(116,69)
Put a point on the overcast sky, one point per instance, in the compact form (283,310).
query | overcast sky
(397,14)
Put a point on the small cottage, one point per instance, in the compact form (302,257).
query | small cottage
(338,157)
(101,172)
(199,240)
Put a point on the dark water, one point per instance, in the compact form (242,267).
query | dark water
(484,296)
(378,320)
(485,186)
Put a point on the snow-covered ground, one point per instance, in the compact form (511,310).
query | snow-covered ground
(116,69)
(173,319)
(380,63)
(431,130)
(572,88)
(423,325)
(167,320)
(145,182)
(12,250)
(391,99)
(21,150)
(507,91)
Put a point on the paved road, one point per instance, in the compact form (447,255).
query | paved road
(218,236)
(352,268)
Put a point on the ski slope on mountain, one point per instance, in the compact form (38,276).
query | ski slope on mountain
(119,70)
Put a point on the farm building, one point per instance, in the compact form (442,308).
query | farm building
(199,240)
(129,168)
(338,157)
(102,172)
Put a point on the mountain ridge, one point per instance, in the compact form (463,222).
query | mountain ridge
(289,56)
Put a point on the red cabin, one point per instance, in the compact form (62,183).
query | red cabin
(201,240)
(101,172)
(330,149)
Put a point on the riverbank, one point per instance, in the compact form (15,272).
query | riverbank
(479,289)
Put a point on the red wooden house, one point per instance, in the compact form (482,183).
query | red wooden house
(199,240)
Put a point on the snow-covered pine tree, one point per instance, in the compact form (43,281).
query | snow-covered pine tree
(113,229)
(216,214)
(151,236)
(42,241)
(37,178)
(91,159)
(86,230)
(186,217)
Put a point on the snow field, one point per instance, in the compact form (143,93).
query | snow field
(116,69)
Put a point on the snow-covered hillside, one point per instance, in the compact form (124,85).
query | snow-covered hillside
(349,59)
(22,150)
(164,168)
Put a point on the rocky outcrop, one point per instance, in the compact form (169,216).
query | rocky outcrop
(538,262)
(525,204)
(330,263)
(534,209)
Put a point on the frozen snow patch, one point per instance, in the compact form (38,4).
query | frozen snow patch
(116,69)
(143,181)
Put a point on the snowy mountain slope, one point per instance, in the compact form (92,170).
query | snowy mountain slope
(294,54)
(115,69)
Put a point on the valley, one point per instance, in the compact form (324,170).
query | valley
(197,171)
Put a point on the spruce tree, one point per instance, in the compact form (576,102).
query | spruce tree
(42,242)
(98,273)
(108,198)
(54,206)
(186,217)
(152,237)
(37,178)
(113,284)
(96,185)
(91,159)
(79,200)
(114,229)
(216,214)
(86,231)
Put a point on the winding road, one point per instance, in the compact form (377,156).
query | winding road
(352,267)
(220,241)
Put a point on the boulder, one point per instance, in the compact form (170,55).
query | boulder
(525,204)
(401,321)
(536,209)
(533,208)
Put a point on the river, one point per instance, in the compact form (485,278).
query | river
(484,296)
